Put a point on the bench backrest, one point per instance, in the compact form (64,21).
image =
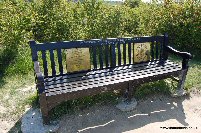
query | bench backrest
(104,53)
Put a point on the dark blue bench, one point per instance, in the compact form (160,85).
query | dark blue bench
(113,68)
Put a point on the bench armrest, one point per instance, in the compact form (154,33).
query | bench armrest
(185,55)
(39,78)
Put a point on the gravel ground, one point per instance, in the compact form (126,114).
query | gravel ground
(156,113)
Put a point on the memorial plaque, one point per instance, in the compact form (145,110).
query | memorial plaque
(78,59)
(141,52)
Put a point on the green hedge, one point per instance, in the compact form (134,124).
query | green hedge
(57,20)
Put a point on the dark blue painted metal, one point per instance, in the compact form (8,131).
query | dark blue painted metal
(119,53)
(133,52)
(101,56)
(157,50)
(45,67)
(124,53)
(60,61)
(152,51)
(161,50)
(165,42)
(52,62)
(33,46)
(106,56)
(129,53)
(113,55)
(94,57)
(95,42)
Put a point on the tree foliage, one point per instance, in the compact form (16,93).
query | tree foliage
(59,20)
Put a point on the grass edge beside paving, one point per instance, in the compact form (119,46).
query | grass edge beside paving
(12,86)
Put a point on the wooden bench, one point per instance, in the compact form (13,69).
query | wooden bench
(112,67)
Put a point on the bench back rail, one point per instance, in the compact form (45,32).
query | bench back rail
(104,53)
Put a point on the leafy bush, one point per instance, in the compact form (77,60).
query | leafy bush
(15,31)
(58,20)
(181,21)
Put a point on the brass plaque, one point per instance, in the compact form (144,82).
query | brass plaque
(78,59)
(141,52)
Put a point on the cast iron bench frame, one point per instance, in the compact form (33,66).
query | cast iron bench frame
(114,72)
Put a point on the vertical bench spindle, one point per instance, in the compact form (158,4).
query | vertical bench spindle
(124,53)
(129,52)
(119,54)
(60,61)
(45,63)
(101,56)
(113,55)
(52,62)
(106,55)
(94,57)
(152,51)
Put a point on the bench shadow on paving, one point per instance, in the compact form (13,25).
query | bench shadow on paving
(157,108)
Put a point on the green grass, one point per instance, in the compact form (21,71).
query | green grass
(15,94)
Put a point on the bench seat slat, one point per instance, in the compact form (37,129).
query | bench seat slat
(98,80)
(142,73)
(148,64)
(86,76)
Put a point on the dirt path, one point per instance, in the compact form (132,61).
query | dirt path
(155,114)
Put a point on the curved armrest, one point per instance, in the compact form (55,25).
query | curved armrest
(184,55)
(39,77)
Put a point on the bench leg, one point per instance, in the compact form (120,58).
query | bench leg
(180,88)
(128,103)
(44,108)
(129,93)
